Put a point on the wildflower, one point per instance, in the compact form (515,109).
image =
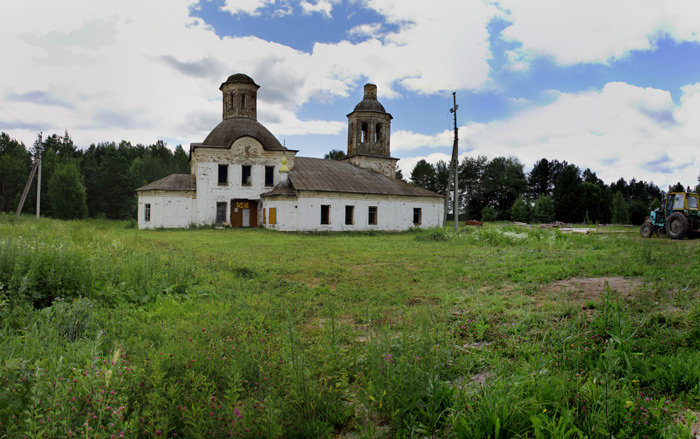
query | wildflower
(628,404)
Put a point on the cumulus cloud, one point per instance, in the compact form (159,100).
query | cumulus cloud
(150,65)
(616,131)
(595,31)
(248,7)
(323,7)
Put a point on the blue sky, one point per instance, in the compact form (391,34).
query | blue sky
(611,85)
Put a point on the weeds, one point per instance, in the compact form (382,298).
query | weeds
(107,331)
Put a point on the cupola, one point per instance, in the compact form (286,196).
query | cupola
(240,94)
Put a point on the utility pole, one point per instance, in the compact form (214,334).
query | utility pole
(39,151)
(455,163)
(37,165)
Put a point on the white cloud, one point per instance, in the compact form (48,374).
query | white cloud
(597,31)
(323,7)
(619,131)
(247,7)
(371,30)
(141,70)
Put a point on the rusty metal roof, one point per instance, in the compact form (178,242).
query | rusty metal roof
(282,189)
(229,130)
(311,174)
(174,182)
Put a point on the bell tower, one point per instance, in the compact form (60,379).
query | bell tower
(369,134)
(240,94)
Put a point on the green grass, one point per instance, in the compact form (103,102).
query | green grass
(253,333)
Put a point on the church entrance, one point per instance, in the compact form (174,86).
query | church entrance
(244,213)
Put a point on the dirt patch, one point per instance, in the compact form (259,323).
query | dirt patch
(582,289)
(473,383)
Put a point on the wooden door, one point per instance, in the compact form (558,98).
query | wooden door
(253,213)
(236,215)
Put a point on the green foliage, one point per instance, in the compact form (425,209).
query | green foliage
(423,175)
(335,154)
(620,210)
(521,211)
(568,194)
(428,333)
(543,211)
(15,164)
(488,213)
(638,211)
(67,193)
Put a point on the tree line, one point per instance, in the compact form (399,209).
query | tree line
(98,181)
(499,189)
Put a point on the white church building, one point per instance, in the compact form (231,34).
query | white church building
(241,176)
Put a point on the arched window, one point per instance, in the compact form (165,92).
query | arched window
(364,132)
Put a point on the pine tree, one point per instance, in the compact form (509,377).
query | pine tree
(620,210)
(66,193)
(543,212)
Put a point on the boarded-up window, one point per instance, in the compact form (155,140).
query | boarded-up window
(147,212)
(417,214)
(263,218)
(223,174)
(372,215)
(245,176)
(325,214)
(220,213)
(269,175)
(349,215)
(273,215)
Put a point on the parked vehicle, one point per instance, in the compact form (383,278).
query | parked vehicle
(678,216)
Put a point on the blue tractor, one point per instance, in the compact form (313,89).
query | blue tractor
(678,216)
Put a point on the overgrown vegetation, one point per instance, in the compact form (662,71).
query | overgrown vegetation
(107,331)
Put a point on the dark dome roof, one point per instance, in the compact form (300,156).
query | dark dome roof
(369,104)
(240,78)
(229,130)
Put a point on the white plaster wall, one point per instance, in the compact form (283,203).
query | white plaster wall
(394,213)
(209,191)
(168,210)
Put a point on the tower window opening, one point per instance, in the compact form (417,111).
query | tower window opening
(378,133)
(364,132)
(242,100)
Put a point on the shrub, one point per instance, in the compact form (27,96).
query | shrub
(488,213)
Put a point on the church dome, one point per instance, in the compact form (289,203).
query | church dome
(370,102)
(232,129)
(370,105)
(240,78)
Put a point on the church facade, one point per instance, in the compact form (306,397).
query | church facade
(241,176)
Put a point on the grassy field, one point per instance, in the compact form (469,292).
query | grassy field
(501,331)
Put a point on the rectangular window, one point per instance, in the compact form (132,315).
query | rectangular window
(223,174)
(325,214)
(372,215)
(269,176)
(220,213)
(245,176)
(273,215)
(678,204)
(349,215)
(147,212)
(417,216)
(263,218)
